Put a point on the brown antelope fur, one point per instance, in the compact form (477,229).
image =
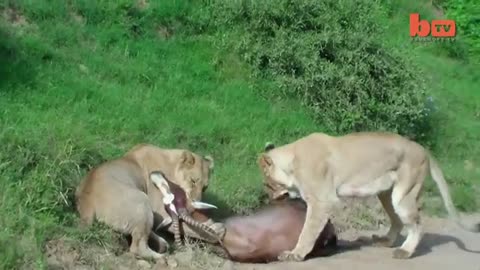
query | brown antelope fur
(263,235)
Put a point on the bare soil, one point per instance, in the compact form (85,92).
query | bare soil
(443,247)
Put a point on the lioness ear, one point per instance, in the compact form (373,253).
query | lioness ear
(187,159)
(268,146)
(265,161)
(209,159)
(158,179)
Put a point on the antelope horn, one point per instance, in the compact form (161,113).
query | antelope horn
(218,237)
(203,205)
(189,220)
(176,230)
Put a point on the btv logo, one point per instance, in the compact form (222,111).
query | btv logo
(439,28)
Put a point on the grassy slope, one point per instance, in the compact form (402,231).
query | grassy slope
(454,89)
(90,98)
(77,94)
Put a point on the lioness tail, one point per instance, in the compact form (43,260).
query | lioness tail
(439,179)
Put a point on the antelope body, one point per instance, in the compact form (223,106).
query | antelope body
(255,238)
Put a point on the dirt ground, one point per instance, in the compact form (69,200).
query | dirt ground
(444,247)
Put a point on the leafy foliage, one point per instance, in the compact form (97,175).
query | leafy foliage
(466,14)
(330,55)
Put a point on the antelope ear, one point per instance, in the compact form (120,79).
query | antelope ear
(203,205)
(173,208)
(209,159)
(187,159)
(160,182)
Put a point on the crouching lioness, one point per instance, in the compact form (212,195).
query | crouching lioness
(119,192)
(322,168)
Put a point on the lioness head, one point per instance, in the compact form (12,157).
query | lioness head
(275,181)
(192,173)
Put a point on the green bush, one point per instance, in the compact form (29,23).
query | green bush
(328,54)
(466,14)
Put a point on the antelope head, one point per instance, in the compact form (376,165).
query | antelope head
(175,201)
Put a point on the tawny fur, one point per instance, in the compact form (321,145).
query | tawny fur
(120,194)
(323,169)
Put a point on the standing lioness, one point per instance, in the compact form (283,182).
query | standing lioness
(120,193)
(322,168)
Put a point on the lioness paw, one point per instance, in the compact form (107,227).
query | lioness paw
(288,256)
(399,253)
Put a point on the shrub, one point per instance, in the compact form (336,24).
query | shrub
(466,14)
(328,54)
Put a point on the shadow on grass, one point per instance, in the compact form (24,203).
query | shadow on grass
(16,67)
(223,210)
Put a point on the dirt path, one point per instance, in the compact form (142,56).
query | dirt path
(444,247)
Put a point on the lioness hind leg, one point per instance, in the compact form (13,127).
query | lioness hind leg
(141,222)
(163,245)
(405,200)
(139,246)
(408,212)
(396,224)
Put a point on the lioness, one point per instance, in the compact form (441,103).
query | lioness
(119,192)
(321,169)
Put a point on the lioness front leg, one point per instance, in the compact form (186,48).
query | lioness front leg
(315,221)
(161,218)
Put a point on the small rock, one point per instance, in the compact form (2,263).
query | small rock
(172,262)
(229,265)
(161,264)
(143,264)
(142,4)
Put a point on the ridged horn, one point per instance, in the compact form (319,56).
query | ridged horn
(189,220)
(176,230)
(217,237)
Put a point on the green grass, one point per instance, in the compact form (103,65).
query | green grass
(85,102)
(73,94)
(453,85)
